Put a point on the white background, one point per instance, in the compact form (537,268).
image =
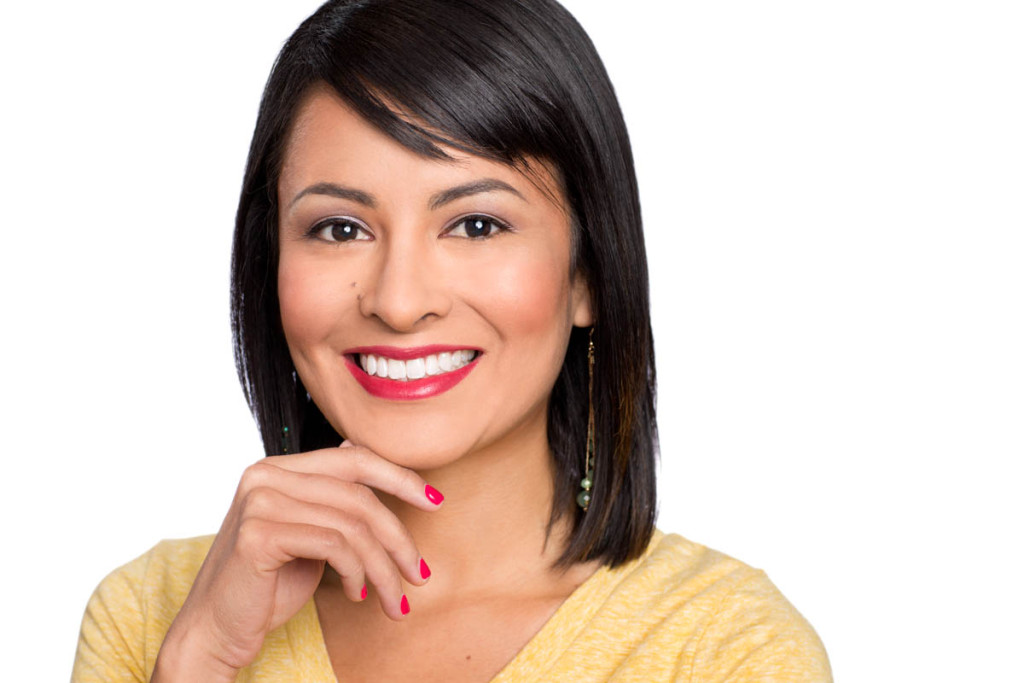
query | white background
(833,203)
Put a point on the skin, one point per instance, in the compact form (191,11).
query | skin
(405,271)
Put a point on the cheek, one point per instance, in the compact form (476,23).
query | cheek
(311,298)
(528,296)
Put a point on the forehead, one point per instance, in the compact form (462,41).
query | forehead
(328,141)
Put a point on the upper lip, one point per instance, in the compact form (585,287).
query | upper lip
(408,352)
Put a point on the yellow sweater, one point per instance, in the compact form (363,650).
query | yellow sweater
(681,612)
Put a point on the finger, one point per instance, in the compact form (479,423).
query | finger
(270,505)
(352,509)
(381,573)
(269,545)
(272,544)
(356,501)
(361,465)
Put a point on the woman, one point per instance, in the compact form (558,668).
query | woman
(439,265)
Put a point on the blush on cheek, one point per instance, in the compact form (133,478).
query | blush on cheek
(308,303)
(532,293)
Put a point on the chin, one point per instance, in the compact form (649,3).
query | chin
(418,449)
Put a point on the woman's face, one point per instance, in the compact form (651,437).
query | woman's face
(448,280)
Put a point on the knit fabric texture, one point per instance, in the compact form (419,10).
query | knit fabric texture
(681,612)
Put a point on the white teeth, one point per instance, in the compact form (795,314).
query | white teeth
(415,368)
(396,369)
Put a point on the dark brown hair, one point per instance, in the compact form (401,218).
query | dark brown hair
(508,80)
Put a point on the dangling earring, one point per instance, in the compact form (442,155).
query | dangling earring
(583,497)
(284,441)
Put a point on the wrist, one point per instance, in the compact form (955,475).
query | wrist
(185,656)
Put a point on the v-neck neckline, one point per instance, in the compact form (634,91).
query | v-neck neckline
(307,641)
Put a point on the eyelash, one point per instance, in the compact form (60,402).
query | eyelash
(499,226)
(320,226)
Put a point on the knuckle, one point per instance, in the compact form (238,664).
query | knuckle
(365,497)
(405,540)
(413,480)
(259,501)
(358,527)
(256,474)
(251,534)
(340,554)
(395,537)
(333,540)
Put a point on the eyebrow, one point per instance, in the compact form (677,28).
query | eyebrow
(468,189)
(436,201)
(332,190)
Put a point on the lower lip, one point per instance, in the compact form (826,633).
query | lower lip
(410,390)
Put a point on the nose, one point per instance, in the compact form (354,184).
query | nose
(407,287)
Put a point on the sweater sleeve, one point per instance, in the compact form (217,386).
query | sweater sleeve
(757,635)
(111,643)
(132,609)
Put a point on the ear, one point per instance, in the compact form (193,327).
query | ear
(582,308)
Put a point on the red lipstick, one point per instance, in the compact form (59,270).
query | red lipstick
(410,390)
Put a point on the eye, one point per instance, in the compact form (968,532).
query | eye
(477,227)
(340,230)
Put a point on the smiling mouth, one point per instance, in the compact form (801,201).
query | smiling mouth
(411,369)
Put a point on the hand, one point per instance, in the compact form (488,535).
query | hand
(290,517)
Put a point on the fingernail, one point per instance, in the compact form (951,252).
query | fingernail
(424,569)
(405,605)
(433,495)
(363,593)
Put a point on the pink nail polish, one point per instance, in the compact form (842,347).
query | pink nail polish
(405,605)
(433,495)
(424,569)
(363,593)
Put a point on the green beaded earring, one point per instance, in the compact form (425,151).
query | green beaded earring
(583,497)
